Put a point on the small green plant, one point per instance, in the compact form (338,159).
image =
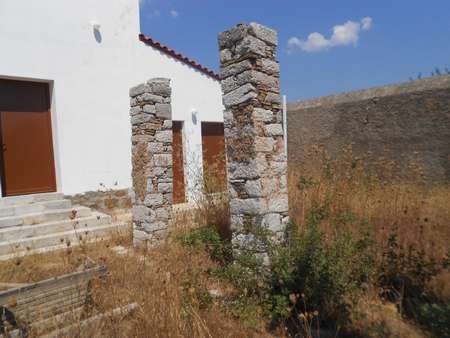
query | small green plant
(436,318)
(404,274)
(208,239)
(329,271)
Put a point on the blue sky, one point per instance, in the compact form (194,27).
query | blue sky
(375,42)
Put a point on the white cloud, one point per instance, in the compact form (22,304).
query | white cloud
(343,35)
(366,23)
(174,13)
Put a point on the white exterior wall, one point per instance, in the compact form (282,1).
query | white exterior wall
(54,41)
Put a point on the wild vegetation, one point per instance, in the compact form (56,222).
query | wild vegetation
(363,256)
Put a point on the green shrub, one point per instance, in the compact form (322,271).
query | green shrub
(209,240)
(436,318)
(319,271)
(328,271)
(404,274)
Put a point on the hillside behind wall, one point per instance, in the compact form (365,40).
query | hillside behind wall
(405,124)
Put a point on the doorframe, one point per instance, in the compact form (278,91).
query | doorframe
(53,125)
(183,162)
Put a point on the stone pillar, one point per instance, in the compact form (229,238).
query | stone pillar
(151,124)
(256,158)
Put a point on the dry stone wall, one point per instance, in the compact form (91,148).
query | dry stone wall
(400,132)
(256,158)
(151,122)
(109,200)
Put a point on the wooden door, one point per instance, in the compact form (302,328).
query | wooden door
(26,136)
(179,194)
(214,161)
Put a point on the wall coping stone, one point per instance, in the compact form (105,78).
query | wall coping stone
(432,83)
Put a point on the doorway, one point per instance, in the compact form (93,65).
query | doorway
(27,161)
(214,160)
(179,194)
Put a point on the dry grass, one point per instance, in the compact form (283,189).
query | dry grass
(378,320)
(170,285)
(417,213)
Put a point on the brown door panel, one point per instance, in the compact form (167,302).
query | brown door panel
(26,135)
(179,194)
(214,161)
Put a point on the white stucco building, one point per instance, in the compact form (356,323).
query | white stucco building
(87,54)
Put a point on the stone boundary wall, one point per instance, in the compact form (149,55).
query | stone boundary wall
(256,160)
(152,175)
(406,125)
(103,200)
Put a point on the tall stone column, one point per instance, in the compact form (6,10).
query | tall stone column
(151,124)
(256,158)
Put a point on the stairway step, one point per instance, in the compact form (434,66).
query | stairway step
(45,216)
(21,209)
(58,240)
(28,199)
(12,234)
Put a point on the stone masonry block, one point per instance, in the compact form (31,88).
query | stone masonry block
(137,90)
(263,33)
(273,222)
(140,118)
(165,187)
(164,136)
(162,160)
(139,212)
(151,98)
(264,144)
(163,110)
(270,66)
(273,98)
(236,68)
(160,86)
(155,147)
(240,95)
(278,204)
(135,110)
(250,45)
(263,115)
(162,213)
(226,56)
(253,188)
(243,170)
(148,98)
(274,130)
(149,109)
(231,36)
(154,200)
(278,168)
(154,226)
(250,76)
(247,206)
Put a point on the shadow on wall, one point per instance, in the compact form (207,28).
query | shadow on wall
(97,33)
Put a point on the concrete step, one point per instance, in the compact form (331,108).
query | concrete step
(11,234)
(28,208)
(28,199)
(45,216)
(58,240)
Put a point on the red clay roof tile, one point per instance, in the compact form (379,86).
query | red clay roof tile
(169,51)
